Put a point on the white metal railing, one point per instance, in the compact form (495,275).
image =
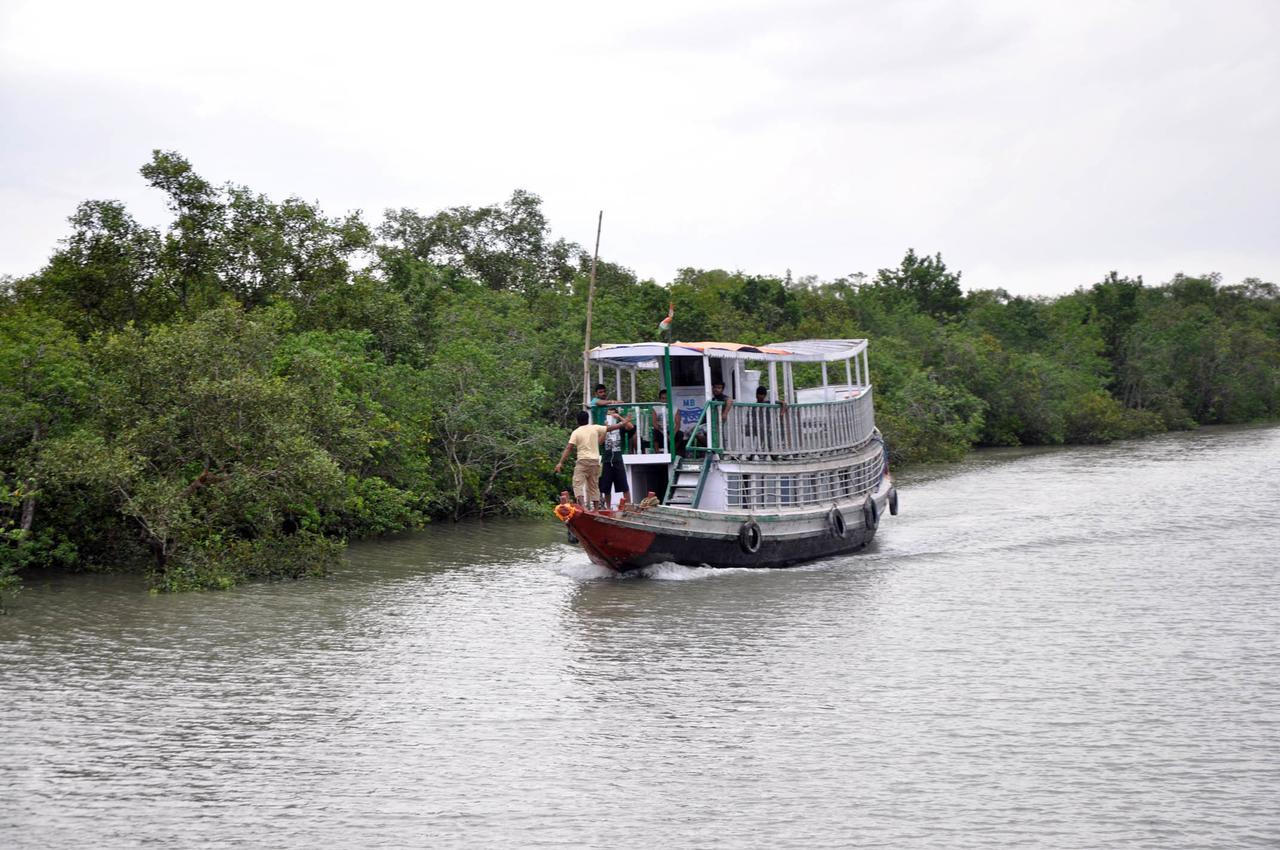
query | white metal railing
(646,434)
(796,430)
(757,490)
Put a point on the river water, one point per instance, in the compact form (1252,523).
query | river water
(1047,648)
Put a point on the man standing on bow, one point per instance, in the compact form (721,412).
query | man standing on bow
(614,475)
(585,439)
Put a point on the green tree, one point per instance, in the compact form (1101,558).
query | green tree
(207,451)
(371,419)
(924,420)
(506,246)
(267,252)
(191,256)
(105,275)
(487,439)
(926,282)
(45,387)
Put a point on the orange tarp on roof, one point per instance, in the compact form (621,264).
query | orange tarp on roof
(732,346)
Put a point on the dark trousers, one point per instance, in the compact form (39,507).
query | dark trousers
(657,441)
(613,475)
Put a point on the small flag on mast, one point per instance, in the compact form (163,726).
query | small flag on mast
(665,324)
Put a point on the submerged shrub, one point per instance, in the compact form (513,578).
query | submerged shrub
(928,421)
(1099,418)
(218,564)
(371,507)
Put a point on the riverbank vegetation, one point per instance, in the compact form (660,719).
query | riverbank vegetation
(236,393)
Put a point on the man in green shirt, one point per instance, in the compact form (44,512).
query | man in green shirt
(600,404)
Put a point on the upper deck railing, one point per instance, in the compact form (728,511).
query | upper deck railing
(790,431)
(776,431)
(647,434)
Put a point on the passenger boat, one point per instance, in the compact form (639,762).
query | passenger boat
(803,475)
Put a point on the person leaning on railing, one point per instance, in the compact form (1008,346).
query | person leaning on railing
(717,394)
(760,421)
(705,435)
(600,404)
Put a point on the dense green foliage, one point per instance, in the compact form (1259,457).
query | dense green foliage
(235,394)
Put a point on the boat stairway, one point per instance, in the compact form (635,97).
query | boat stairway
(684,485)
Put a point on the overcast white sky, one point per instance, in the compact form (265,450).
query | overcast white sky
(1037,145)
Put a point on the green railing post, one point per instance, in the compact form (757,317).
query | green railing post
(668,428)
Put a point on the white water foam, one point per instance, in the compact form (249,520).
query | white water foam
(578,566)
(670,571)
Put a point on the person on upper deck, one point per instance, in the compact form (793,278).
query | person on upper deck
(759,423)
(699,438)
(762,396)
(600,404)
(717,394)
(658,434)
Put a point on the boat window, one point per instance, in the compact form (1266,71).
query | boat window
(810,494)
(687,371)
(769,490)
(826,485)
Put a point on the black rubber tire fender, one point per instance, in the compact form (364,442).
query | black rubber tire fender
(750,537)
(870,513)
(893,502)
(836,523)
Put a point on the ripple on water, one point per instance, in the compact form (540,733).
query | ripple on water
(1057,648)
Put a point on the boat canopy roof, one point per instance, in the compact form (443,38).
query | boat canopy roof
(647,355)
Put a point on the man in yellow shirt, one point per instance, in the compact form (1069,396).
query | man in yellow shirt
(586,439)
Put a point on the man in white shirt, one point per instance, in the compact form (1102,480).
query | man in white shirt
(614,474)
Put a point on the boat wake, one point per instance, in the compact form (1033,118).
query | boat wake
(670,571)
(582,569)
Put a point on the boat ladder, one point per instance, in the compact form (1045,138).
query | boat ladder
(688,477)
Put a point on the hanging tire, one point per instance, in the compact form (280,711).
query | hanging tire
(893,502)
(749,537)
(835,522)
(870,513)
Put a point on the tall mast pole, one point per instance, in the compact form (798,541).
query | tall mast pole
(591,297)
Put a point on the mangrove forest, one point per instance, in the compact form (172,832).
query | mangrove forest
(238,393)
